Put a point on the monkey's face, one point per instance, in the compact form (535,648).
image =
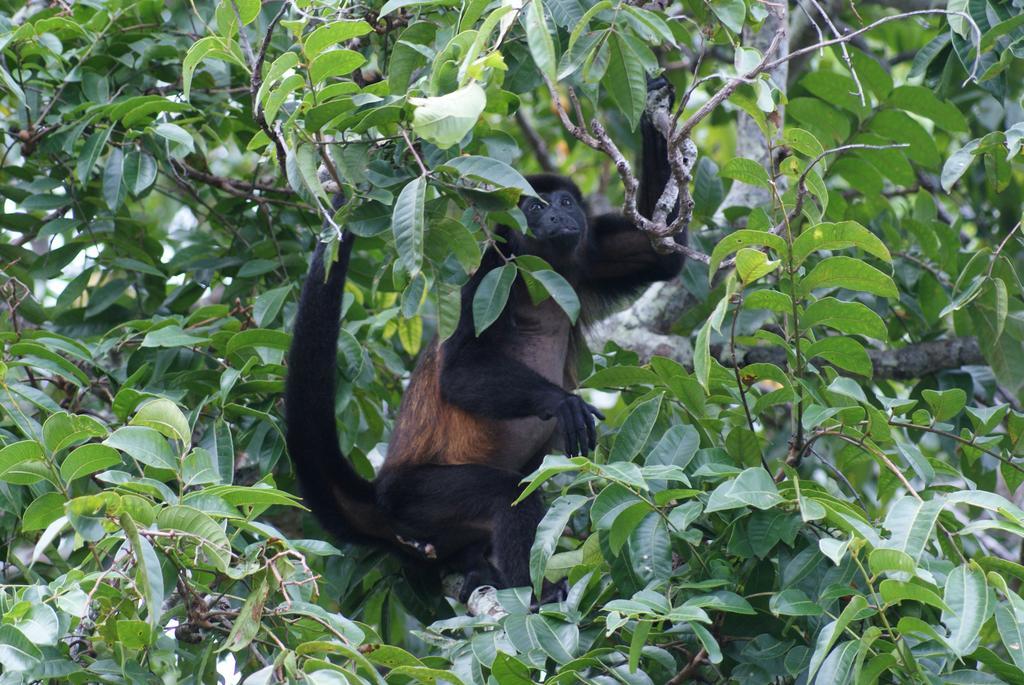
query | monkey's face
(556,219)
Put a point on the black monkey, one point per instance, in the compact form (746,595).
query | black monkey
(479,412)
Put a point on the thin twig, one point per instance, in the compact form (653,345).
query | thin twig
(254,88)
(685,675)
(995,255)
(540,148)
(972,76)
(419,161)
(801,184)
(842,47)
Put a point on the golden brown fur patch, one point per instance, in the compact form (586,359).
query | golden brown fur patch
(431,431)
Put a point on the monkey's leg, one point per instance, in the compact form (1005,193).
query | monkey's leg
(457,507)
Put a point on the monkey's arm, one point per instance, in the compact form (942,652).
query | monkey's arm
(479,377)
(655,171)
(480,380)
(620,258)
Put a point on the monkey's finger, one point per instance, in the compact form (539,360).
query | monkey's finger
(584,427)
(656,83)
(565,421)
(588,418)
(595,411)
(580,422)
(577,436)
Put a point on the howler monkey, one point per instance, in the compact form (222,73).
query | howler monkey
(480,412)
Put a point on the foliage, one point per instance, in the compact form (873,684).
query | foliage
(813,518)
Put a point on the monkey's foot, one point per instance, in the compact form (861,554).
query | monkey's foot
(424,549)
(484,602)
(660,95)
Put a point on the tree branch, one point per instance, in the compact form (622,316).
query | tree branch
(905,363)
(540,148)
(254,88)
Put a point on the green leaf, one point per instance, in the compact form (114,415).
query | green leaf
(148,575)
(339,62)
(1011,630)
(87,460)
(548,533)
(731,13)
(754,487)
(896,591)
(702,348)
(793,602)
(831,632)
(39,624)
(753,264)
(637,643)
(12,86)
(268,305)
(836,236)
(213,47)
(199,530)
(90,152)
(43,511)
(145,445)
(849,273)
(553,465)
(846,353)
(744,238)
(852,318)
(957,164)
(280,66)
(923,102)
(63,430)
(885,560)
(490,171)
(636,429)
(491,296)
(625,80)
(333,33)
(16,458)
(911,523)
(561,290)
(407,223)
(176,134)
(802,141)
(113,174)
(164,416)
(677,447)
(945,404)
(746,171)
(902,129)
(446,119)
(392,5)
(538,38)
(1002,305)
(139,172)
(247,625)
(584,22)
(17,653)
(133,634)
(970,604)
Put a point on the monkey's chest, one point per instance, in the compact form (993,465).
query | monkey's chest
(541,340)
(541,343)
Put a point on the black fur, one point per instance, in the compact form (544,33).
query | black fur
(423,504)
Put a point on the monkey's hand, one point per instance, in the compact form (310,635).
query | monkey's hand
(576,419)
(661,96)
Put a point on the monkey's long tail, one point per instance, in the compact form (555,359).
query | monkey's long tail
(340,498)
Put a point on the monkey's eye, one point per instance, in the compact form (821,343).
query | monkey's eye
(566,202)
(536,206)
